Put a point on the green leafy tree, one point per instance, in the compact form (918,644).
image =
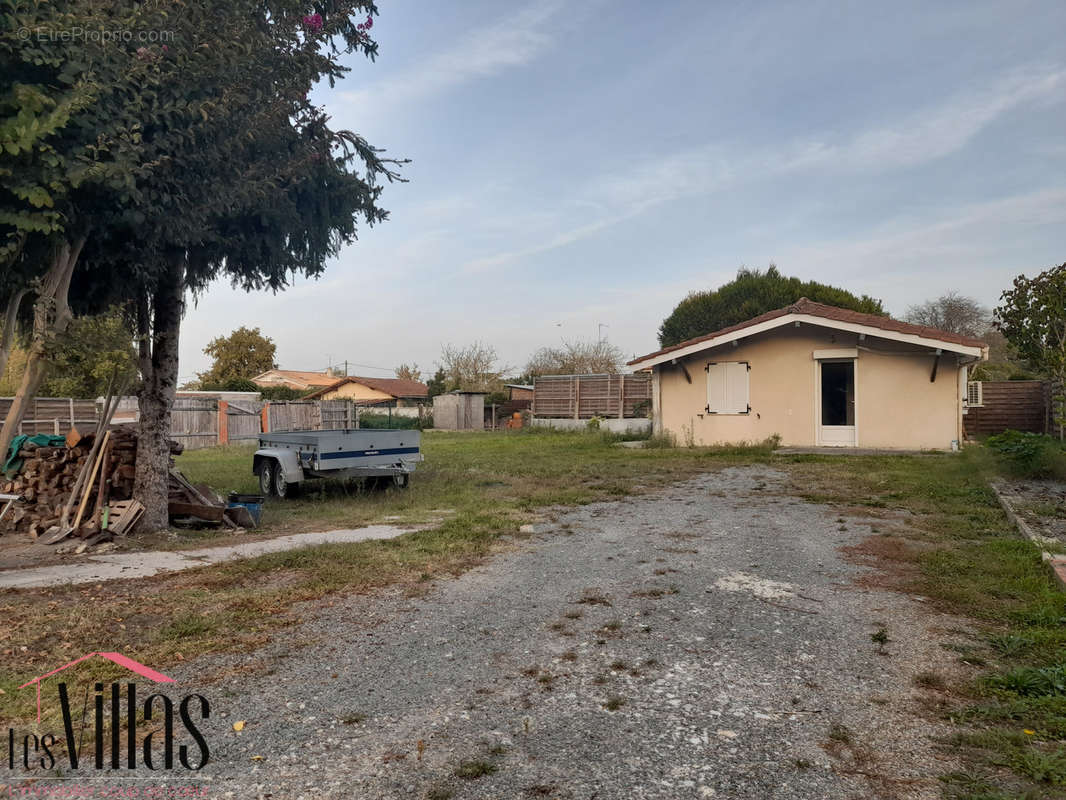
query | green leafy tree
(242,355)
(93,351)
(90,354)
(71,125)
(235,174)
(12,375)
(748,295)
(438,384)
(1032,315)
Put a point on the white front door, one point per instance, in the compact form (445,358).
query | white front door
(836,403)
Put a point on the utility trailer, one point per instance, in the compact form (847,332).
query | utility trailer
(285,460)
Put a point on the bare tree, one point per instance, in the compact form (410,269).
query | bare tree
(472,368)
(954,313)
(409,372)
(576,358)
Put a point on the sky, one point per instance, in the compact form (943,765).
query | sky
(578,167)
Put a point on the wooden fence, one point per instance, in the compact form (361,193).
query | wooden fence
(206,422)
(197,422)
(587,396)
(1017,405)
(194,422)
(54,414)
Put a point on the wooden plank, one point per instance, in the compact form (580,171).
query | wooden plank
(204,512)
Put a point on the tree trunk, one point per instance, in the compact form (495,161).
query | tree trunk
(51,316)
(7,332)
(159,371)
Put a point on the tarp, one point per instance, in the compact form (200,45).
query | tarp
(13,463)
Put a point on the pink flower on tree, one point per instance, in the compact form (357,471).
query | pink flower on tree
(313,22)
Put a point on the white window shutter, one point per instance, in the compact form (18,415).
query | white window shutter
(716,388)
(974,395)
(737,387)
(727,388)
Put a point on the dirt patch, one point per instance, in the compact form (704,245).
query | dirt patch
(1042,504)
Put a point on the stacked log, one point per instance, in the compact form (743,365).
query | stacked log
(48,475)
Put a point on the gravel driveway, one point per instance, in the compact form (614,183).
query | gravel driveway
(708,640)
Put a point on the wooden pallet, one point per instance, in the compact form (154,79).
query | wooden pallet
(124,516)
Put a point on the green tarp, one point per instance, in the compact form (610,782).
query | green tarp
(13,463)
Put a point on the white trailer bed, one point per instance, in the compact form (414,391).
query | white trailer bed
(285,460)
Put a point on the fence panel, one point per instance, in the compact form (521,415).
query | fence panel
(194,422)
(295,415)
(337,415)
(243,420)
(586,396)
(1017,405)
(54,414)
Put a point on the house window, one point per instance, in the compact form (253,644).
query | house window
(727,387)
(974,396)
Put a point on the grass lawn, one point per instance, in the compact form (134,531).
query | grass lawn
(464,473)
(944,537)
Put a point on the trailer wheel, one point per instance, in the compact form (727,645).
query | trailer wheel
(282,488)
(267,468)
(401,481)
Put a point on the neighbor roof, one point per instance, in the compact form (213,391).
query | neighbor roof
(834,317)
(299,376)
(397,387)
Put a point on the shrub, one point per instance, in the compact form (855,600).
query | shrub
(397,422)
(281,392)
(1029,455)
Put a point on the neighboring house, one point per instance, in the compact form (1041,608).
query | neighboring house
(294,379)
(815,375)
(519,391)
(401,392)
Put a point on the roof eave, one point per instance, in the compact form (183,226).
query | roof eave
(683,351)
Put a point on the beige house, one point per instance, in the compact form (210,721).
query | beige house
(400,392)
(815,375)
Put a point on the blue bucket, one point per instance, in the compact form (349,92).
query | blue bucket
(253,502)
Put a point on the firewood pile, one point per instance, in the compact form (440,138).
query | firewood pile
(48,476)
(82,491)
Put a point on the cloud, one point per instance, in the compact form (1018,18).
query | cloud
(965,237)
(512,42)
(628,191)
(935,133)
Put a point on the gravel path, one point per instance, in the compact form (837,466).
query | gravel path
(708,640)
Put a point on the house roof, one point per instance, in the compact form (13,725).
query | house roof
(830,316)
(397,387)
(298,376)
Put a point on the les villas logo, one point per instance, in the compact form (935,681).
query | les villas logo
(153,749)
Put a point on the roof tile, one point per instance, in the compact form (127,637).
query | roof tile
(813,309)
